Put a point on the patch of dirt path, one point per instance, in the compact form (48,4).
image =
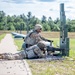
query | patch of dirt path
(7,45)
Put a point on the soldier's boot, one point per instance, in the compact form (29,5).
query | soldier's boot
(1,56)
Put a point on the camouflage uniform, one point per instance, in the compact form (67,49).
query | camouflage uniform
(35,51)
(33,37)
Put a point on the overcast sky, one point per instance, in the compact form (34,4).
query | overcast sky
(38,7)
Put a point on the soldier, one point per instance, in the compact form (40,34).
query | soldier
(35,51)
(33,37)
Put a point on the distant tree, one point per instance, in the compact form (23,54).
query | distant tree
(57,21)
(22,22)
(56,28)
(56,25)
(28,25)
(71,25)
(22,16)
(10,26)
(37,21)
(43,19)
(46,27)
(3,20)
(2,14)
(50,23)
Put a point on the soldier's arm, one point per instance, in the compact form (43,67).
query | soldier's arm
(46,39)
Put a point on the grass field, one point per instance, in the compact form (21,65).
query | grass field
(57,67)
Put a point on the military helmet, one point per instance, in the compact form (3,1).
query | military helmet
(38,26)
(41,45)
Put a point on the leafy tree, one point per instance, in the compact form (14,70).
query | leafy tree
(56,25)
(50,23)
(71,25)
(10,26)
(43,19)
(2,20)
(22,22)
(46,27)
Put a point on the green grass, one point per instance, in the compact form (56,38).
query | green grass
(2,36)
(72,48)
(19,43)
(52,67)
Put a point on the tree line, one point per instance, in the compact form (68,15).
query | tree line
(27,22)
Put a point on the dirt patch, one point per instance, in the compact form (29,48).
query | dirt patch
(55,34)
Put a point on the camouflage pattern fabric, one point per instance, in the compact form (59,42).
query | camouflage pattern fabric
(16,56)
(31,52)
(33,39)
(34,52)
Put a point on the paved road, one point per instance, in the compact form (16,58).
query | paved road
(12,67)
